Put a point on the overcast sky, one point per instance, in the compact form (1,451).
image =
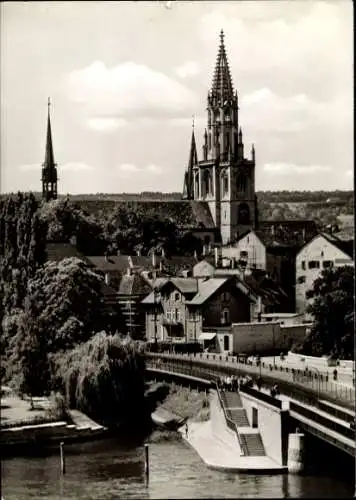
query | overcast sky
(125,79)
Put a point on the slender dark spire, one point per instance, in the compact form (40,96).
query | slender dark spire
(193,156)
(49,156)
(222,83)
(49,167)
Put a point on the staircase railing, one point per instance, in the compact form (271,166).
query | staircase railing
(231,424)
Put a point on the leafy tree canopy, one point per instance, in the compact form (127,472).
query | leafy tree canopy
(104,378)
(332,308)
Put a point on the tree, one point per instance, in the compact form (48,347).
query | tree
(332,308)
(29,368)
(66,219)
(104,378)
(66,301)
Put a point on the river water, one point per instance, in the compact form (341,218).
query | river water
(108,469)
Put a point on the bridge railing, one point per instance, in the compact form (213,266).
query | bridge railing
(331,424)
(277,403)
(303,385)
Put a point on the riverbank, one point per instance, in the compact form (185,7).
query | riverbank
(31,424)
(177,405)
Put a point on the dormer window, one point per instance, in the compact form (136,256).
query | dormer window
(176,296)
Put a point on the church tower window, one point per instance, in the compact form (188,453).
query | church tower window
(243,214)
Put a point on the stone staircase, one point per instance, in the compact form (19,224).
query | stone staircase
(253,444)
(234,409)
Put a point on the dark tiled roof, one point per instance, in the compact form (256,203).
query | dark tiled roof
(206,289)
(56,251)
(134,284)
(185,285)
(185,213)
(112,263)
(268,289)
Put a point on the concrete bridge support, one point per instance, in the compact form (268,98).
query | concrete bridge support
(296,458)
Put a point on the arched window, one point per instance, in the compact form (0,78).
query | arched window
(243,214)
(197,185)
(224,184)
(207,182)
(241,182)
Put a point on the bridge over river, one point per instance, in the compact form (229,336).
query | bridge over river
(319,406)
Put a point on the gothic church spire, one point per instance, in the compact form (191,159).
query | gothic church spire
(49,167)
(193,160)
(222,83)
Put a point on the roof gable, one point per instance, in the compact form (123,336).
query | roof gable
(346,247)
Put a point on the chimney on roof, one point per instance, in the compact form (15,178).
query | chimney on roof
(195,255)
(163,253)
(153,259)
(204,250)
(303,232)
(107,279)
(217,253)
(160,266)
(272,230)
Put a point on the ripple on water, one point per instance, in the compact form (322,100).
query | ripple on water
(107,470)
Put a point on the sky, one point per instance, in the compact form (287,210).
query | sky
(125,79)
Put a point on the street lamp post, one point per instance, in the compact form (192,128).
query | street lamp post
(155,315)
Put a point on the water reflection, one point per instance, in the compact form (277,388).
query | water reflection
(109,470)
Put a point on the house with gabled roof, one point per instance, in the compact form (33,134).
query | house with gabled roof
(180,309)
(321,252)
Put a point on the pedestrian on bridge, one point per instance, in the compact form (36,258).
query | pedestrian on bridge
(259,383)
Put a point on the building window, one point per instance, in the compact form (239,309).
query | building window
(243,214)
(191,314)
(303,265)
(226,343)
(327,263)
(313,264)
(177,296)
(243,254)
(178,315)
(225,317)
(301,280)
(169,315)
(225,297)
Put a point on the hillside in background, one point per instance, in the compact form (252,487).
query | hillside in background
(322,206)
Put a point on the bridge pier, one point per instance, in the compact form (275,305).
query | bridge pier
(296,460)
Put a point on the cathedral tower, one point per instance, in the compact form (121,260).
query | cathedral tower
(49,167)
(224,178)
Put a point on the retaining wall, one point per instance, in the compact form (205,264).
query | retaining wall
(270,425)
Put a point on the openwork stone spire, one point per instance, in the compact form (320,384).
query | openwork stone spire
(222,83)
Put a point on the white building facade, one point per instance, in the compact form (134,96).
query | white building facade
(249,249)
(320,253)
